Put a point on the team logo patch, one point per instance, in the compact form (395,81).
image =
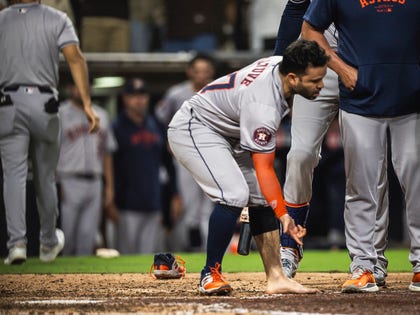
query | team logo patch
(262,136)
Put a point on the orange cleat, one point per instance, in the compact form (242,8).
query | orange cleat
(415,283)
(214,283)
(166,266)
(361,281)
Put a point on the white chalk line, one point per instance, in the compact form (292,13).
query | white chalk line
(197,307)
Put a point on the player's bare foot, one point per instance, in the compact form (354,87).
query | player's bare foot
(287,285)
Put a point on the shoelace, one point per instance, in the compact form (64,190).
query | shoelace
(181,267)
(215,272)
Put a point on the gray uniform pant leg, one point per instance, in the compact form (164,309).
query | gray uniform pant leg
(81,208)
(405,144)
(365,145)
(310,122)
(139,232)
(223,171)
(38,132)
(197,206)
(44,153)
(14,157)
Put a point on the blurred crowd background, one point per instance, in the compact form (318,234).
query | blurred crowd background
(140,55)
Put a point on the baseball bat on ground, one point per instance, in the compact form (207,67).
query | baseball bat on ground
(245,236)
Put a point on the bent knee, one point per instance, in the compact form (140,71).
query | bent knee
(237,196)
(299,157)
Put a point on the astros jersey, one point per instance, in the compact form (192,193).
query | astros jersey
(83,152)
(387,58)
(44,28)
(239,112)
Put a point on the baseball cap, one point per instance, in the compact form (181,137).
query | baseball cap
(135,86)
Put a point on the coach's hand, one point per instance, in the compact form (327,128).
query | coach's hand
(288,226)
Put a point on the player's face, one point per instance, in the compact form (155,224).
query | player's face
(310,84)
(137,104)
(201,73)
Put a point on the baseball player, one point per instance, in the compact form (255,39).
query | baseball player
(310,122)
(32,36)
(84,158)
(196,205)
(224,136)
(138,168)
(379,92)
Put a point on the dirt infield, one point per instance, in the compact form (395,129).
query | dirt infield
(139,293)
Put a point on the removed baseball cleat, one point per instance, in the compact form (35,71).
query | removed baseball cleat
(166,266)
(213,283)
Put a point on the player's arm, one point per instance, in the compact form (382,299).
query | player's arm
(109,179)
(347,73)
(111,211)
(79,72)
(271,189)
(290,24)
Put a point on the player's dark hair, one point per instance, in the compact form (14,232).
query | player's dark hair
(202,56)
(300,54)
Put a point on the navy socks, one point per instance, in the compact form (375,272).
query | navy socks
(222,225)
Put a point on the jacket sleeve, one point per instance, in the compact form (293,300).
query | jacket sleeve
(290,24)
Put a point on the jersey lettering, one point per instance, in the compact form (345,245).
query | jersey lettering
(365,3)
(77,132)
(221,86)
(144,137)
(250,77)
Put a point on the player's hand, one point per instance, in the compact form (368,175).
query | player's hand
(112,213)
(108,196)
(176,208)
(289,227)
(92,117)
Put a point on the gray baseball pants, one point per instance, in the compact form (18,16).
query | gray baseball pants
(33,133)
(364,140)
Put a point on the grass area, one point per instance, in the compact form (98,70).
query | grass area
(314,261)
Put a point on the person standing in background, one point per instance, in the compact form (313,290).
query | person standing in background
(146,23)
(137,165)
(105,26)
(196,205)
(85,164)
(192,25)
(29,122)
(3,4)
(62,5)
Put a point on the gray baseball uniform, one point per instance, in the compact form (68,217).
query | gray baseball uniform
(31,36)
(80,170)
(197,206)
(382,100)
(212,133)
(310,122)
